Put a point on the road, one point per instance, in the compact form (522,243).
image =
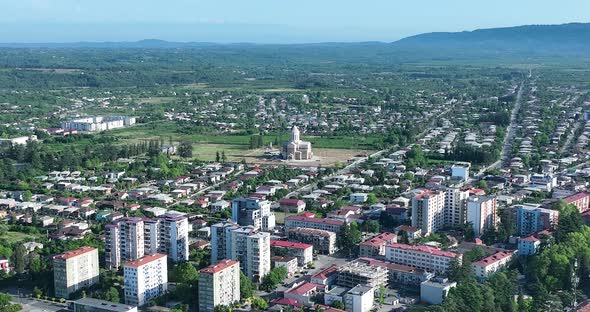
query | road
(570,138)
(509,137)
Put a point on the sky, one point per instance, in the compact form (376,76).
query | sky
(269,21)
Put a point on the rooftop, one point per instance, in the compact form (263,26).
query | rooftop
(143,261)
(424,249)
(104,305)
(74,253)
(218,267)
(287,244)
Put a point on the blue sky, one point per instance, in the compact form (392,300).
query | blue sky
(269,20)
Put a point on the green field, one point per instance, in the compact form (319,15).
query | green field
(166,130)
(16,237)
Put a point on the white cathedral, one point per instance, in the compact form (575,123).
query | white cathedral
(296,149)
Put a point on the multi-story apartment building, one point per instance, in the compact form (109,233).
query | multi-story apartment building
(74,270)
(219,285)
(129,239)
(531,218)
(220,240)
(253,211)
(303,252)
(375,247)
(359,299)
(455,206)
(481,213)
(307,220)
(421,256)
(244,244)
(428,211)
(124,241)
(324,242)
(400,274)
(145,279)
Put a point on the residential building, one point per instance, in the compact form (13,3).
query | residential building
(307,220)
(292,205)
(323,242)
(128,239)
(455,206)
(303,252)
(481,213)
(145,279)
(74,270)
(434,291)
(244,244)
(421,256)
(491,264)
(529,245)
(219,285)
(359,299)
(96,305)
(428,211)
(304,293)
(460,171)
(580,200)
(375,247)
(531,218)
(327,276)
(289,263)
(253,211)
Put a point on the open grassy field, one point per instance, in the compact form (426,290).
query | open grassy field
(167,130)
(15,237)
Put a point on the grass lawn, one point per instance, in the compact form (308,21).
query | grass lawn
(15,237)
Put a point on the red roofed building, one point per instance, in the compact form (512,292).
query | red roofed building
(74,270)
(219,284)
(326,276)
(304,293)
(580,200)
(324,242)
(492,264)
(303,252)
(145,279)
(292,205)
(421,256)
(304,221)
(375,247)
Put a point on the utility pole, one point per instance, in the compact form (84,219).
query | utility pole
(575,280)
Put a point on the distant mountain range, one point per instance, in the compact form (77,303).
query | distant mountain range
(523,41)
(565,39)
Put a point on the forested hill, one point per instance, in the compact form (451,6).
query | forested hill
(565,39)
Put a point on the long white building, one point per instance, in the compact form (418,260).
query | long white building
(219,284)
(145,279)
(98,123)
(422,257)
(74,270)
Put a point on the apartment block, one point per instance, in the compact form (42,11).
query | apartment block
(455,206)
(219,285)
(428,211)
(375,247)
(129,239)
(307,220)
(253,211)
(491,264)
(245,244)
(145,279)
(360,298)
(481,213)
(421,256)
(74,270)
(323,242)
(531,218)
(303,252)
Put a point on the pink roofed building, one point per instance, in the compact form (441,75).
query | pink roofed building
(421,256)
